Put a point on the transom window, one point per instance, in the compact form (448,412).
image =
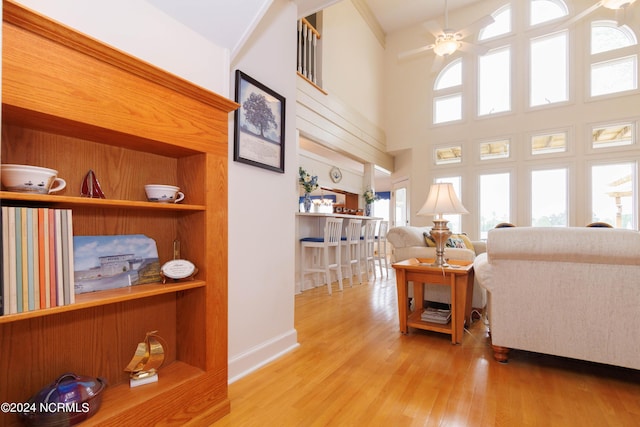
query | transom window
(549,143)
(448,155)
(613,135)
(498,149)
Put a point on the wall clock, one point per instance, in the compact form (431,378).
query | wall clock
(336,174)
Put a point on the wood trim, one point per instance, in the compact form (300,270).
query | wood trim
(311,27)
(312,83)
(32,21)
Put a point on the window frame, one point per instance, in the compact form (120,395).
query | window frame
(590,149)
(567,77)
(609,55)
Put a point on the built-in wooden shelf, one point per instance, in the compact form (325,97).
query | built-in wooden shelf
(72,201)
(111,296)
(74,104)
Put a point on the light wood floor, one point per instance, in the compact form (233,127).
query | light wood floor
(354,368)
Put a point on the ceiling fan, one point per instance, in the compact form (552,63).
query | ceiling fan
(448,41)
(617,5)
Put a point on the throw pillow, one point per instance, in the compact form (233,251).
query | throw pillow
(459,241)
(429,240)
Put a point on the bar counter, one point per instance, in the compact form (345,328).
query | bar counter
(312,225)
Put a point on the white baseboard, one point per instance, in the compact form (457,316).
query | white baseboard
(258,356)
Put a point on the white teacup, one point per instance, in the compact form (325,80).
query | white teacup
(31,179)
(163,193)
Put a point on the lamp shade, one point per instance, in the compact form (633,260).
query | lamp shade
(442,199)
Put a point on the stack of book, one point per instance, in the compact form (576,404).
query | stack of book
(37,259)
(436,315)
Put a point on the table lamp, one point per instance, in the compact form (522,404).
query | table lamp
(442,200)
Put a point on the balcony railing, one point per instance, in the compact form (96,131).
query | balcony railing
(308,48)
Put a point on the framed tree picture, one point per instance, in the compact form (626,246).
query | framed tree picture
(259,125)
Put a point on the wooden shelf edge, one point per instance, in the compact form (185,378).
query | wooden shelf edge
(122,398)
(102,203)
(111,296)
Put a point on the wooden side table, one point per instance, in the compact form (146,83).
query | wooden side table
(458,276)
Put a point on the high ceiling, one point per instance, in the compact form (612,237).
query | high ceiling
(228,23)
(397,14)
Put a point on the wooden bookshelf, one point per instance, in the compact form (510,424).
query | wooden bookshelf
(72,104)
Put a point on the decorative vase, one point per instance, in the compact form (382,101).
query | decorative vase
(367,209)
(307,202)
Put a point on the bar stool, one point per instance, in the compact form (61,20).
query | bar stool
(381,253)
(369,242)
(322,247)
(351,249)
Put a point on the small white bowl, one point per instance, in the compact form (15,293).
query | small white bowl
(163,193)
(31,179)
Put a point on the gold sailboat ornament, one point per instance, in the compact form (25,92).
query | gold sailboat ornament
(149,356)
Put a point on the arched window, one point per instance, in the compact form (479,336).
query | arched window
(450,76)
(500,26)
(447,89)
(607,36)
(546,10)
(613,68)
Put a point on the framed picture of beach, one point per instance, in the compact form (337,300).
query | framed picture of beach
(259,125)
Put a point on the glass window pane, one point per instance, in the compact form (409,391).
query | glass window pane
(381,209)
(455,221)
(447,108)
(549,69)
(400,207)
(613,194)
(501,24)
(606,36)
(547,10)
(494,149)
(549,198)
(450,76)
(549,143)
(494,201)
(613,135)
(614,76)
(494,82)
(448,155)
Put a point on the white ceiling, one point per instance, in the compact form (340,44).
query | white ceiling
(397,14)
(228,23)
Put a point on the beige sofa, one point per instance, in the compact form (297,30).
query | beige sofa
(571,292)
(408,242)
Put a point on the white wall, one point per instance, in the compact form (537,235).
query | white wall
(141,30)
(262,207)
(352,58)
